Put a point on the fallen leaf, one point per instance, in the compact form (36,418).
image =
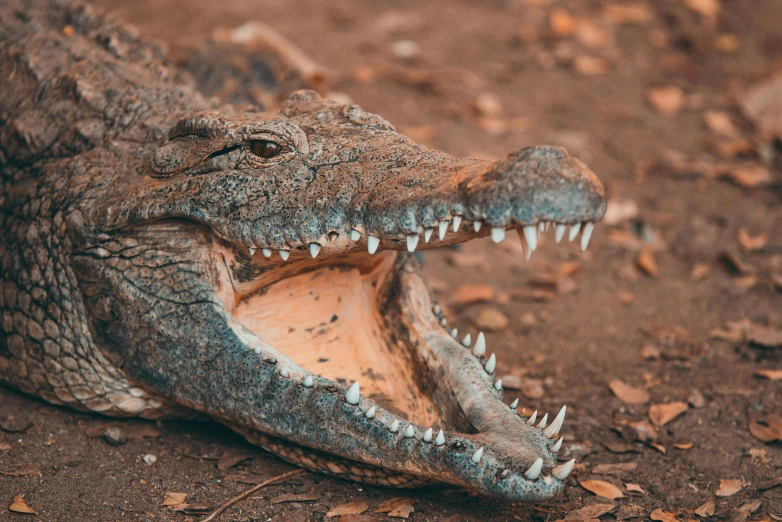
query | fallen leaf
(4,446)
(749,242)
(562,23)
(589,512)
(401,511)
(659,447)
(706,509)
(24,471)
(647,263)
(293,497)
(758,454)
(774,375)
(390,504)
(602,488)
(659,514)
(619,210)
(667,100)
(719,123)
(684,445)
(631,13)
(765,428)
(350,508)
(765,336)
(628,394)
(491,319)
(643,431)
(750,176)
(12,424)
(586,65)
(650,352)
(696,399)
(662,414)
(174,499)
(635,488)
(762,104)
(230,459)
(750,506)
(708,9)
(628,512)
(728,487)
(20,505)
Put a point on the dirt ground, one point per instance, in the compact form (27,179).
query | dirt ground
(679,296)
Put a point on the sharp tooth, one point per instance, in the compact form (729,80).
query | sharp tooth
(355,235)
(476,225)
(476,457)
(545,229)
(497,234)
(531,236)
(574,231)
(394,426)
(371,413)
(412,242)
(257,350)
(353,394)
(498,385)
(557,445)
(443,322)
(454,333)
(531,420)
(457,222)
(514,404)
(541,227)
(534,471)
(266,252)
(436,309)
(467,341)
(252,251)
(556,424)
(547,480)
(480,345)
(428,435)
(307,382)
(586,234)
(409,432)
(442,229)
(561,472)
(284,372)
(543,422)
(284,254)
(559,232)
(440,439)
(372,244)
(314,249)
(428,234)
(490,364)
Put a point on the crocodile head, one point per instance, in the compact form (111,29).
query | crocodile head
(294,312)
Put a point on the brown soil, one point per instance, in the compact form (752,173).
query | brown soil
(569,334)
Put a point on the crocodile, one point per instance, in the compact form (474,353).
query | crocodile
(165,254)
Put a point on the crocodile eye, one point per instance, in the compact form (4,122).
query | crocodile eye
(264,148)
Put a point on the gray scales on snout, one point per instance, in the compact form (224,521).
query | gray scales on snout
(163,255)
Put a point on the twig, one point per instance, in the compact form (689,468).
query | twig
(249,492)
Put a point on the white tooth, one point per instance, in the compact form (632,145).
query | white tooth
(556,424)
(490,364)
(467,341)
(428,234)
(454,333)
(443,228)
(371,413)
(586,234)
(476,457)
(443,322)
(284,254)
(545,229)
(497,234)
(428,435)
(561,472)
(480,345)
(440,439)
(353,394)
(314,249)
(514,404)
(543,421)
(412,242)
(541,227)
(557,445)
(498,385)
(574,231)
(266,252)
(531,235)
(252,251)
(307,382)
(284,372)
(547,480)
(372,244)
(531,420)
(409,432)
(457,222)
(559,232)
(394,426)
(436,309)
(257,350)
(355,235)
(534,471)
(476,225)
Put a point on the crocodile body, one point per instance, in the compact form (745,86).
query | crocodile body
(163,255)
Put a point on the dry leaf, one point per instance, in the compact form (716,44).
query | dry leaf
(659,514)
(699,271)
(720,123)
(637,13)
(634,487)
(589,65)
(294,497)
(667,100)
(401,511)
(765,336)
(20,505)
(562,23)
(647,263)
(491,319)
(662,414)
(659,447)
(763,105)
(684,445)
(750,176)
(774,375)
(390,504)
(174,499)
(620,468)
(650,352)
(230,459)
(350,508)
(749,242)
(589,512)
(750,506)
(628,394)
(728,487)
(708,9)
(602,488)
(766,429)
(619,210)
(706,510)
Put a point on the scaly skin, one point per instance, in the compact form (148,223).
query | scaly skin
(139,219)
